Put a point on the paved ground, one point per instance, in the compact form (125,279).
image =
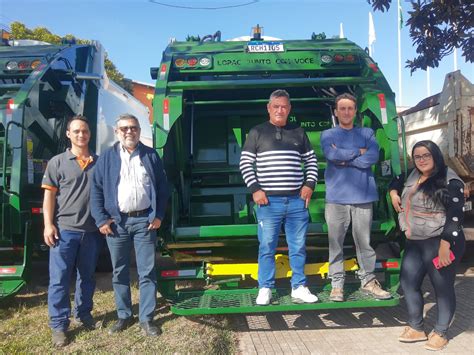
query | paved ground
(356,331)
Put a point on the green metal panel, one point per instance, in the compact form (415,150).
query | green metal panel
(164,123)
(281,62)
(33,114)
(14,277)
(10,288)
(266,83)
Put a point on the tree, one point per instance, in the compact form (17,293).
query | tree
(20,31)
(436,28)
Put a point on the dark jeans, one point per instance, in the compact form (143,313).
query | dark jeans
(133,232)
(417,262)
(73,251)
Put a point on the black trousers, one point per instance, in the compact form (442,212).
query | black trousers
(417,262)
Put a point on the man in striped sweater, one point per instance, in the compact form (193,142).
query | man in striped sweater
(271,167)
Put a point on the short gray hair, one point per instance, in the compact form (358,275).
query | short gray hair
(126,116)
(279,93)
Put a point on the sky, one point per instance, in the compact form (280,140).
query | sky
(136,32)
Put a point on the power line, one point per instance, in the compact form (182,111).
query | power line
(203,8)
(5,27)
(8,19)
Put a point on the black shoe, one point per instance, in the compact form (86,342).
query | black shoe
(59,338)
(86,323)
(149,329)
(121,324)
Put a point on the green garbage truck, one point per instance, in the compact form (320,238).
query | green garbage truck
(41,87)
(209,93)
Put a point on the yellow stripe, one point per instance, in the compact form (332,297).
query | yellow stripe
(282,268)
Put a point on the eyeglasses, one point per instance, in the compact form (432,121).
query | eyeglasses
(124,129)
(426,156)
(278,133)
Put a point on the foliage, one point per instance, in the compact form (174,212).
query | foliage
(436,28)
(20,31)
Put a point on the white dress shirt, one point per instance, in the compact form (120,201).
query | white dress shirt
(134,188)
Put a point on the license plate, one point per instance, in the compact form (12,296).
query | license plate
(265,47)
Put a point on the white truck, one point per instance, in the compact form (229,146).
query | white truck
(447,119)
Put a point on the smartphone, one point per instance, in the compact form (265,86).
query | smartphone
(436,260)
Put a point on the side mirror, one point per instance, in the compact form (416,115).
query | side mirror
(154,73)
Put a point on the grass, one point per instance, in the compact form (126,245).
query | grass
(24,328)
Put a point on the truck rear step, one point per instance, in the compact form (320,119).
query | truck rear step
(243,301)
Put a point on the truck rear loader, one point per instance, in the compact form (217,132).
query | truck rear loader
(209,93)
(41,87)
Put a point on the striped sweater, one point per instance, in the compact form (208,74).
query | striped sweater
(272,160)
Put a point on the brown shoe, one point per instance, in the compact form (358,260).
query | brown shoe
(59,338)
(337,294)
(411,335)
(436,342)
(374,289)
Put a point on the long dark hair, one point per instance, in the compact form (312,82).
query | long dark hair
(434,187)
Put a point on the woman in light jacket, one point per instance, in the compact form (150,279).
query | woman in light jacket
(430,206)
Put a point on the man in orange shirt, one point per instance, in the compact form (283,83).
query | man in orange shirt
(70,231)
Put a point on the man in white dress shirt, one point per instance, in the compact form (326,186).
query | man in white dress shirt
(128,199)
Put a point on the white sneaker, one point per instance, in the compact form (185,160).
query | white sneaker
(302,295)
(264,296)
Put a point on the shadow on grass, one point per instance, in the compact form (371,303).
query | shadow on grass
(28,298)
(106,319)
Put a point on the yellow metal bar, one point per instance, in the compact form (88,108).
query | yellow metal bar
(282,268)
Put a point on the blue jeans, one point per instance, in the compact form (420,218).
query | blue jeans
(73,251)
(290,211)
(133,231)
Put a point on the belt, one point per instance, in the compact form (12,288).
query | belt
(136,213)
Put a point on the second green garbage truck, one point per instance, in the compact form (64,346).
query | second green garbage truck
(41,87)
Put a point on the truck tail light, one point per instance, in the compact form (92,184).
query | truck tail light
(7,270)
(24,65)
(178,273)
(192,62)
(179,62)
(383,108)
(394,264)
(35,63)
(163,71)
(349,58)
(166,114)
